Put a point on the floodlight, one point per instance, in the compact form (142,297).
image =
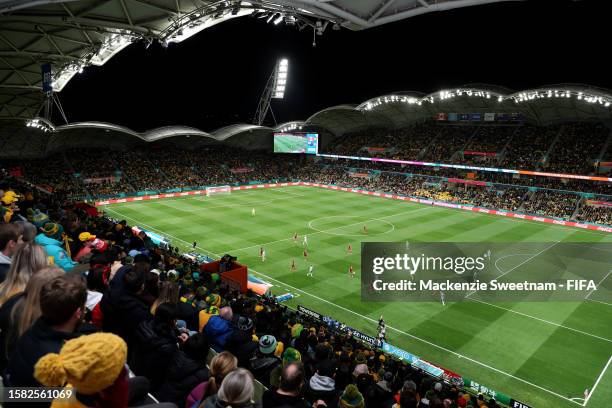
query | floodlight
(270,18)
(278,19)
(279,95)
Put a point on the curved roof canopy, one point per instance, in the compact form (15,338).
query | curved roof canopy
(541,106)
(73,34)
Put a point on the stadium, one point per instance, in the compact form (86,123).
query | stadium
(193,215)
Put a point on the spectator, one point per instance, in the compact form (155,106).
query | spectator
(264,362)
(27,308)
(122,307)
(94,367)
(351,398)
(237,390)
(322,385)
(62,304)
(97,284)
(28,259)
(155,345)
(241,343)
(187,370)
(289,392)
(89,364)
(10,238)
(28,229)
(168,293)
(51,239)
(219,329)
(220,366)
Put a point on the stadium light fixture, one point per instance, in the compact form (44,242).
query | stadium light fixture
(280,78)
(278,19)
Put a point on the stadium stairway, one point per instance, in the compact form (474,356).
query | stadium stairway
(502,153)
(432,142)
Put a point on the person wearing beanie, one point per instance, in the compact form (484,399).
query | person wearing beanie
(351,398)
(205,315)
(240,342)
(264,361)
(89,364)
(219,328)
(52,240)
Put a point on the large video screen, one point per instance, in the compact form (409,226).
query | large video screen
(296,143)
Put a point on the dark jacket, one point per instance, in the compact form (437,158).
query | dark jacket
(272,399)
(7,334)
(154,349)
(38,341)
(241,345)
(123,312)
(262,366)
(189,313)
(184,374)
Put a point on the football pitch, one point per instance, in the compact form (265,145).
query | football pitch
(545,354)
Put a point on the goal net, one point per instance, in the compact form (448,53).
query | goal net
(218,190)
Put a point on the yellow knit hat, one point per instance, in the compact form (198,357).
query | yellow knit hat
(90,363)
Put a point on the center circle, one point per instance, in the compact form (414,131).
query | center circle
(375,226)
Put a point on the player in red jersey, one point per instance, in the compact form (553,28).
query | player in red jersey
(293,267)
(365,229)
(305,253)
(295,238)
(349,249)
(351,271)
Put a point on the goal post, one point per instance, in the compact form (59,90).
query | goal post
(218,190)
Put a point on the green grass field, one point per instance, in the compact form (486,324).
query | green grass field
(542,353)
(289,144)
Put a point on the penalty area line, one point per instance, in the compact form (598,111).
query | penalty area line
(588,397)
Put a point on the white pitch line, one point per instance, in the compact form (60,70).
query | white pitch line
(542,320)
(521,264)
(599,301)
(597,286)
(586,401)
(330,229)
(375,321)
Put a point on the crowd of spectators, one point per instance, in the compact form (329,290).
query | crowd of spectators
(132,324)
(552,203)
(579,144)
(595,214)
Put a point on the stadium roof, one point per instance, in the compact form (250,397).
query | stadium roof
(73,34)
(544,105)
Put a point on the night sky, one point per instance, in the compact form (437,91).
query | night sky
(216,77)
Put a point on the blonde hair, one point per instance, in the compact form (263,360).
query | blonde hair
(237,387)
(27,309)
(168,293)
(28,259)
(221,365)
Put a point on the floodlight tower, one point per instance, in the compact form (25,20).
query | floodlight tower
(275,89)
